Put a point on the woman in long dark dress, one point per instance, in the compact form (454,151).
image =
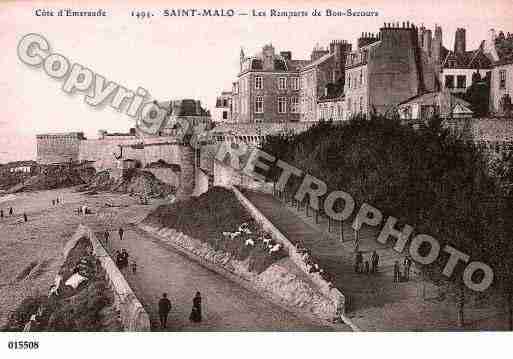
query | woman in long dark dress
(196,308)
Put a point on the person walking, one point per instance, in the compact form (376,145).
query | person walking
(1,213)
(120,232)
(11,212)
(53,202)
(134,267)
(196,308)
(374,261)
(397,272)
(358,262)
(407,265)
(25,217)
(164,309)
(107,235)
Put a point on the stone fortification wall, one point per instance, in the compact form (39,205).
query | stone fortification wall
(132,314)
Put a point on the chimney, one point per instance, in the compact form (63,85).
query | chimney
(460,41)
(427,42)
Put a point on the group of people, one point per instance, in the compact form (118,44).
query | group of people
(56,201)
(83,210)
(404,274)
(121,256)
(11,213)
(366,266)
(165,308)
(122,260)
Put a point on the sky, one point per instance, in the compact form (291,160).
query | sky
(182,57)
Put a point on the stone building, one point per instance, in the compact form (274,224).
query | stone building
(501,83)
(223,110)
(58,147)
(460,66)
(180,113)
(325,70)
(389,68)
(267,87)
(275,87)
(331,105)
(443,104)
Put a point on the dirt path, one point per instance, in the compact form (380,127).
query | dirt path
(31,253)
(226,306)
(376,302)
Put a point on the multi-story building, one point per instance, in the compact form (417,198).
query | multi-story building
(326,68)
(501,83)
(399,63)
(223,109)
(389,68)
(267,87)
(459,67)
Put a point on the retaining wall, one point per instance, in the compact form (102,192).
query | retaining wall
(281,283)
(133,317)
(335,296)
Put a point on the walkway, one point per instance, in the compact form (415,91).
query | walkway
(375,301)
(226,306)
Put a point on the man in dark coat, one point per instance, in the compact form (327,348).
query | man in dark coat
(374,261)
(11,211)
(358,262)
(120,234)
(397,272)
(196,309)
(1,213)
(164,309)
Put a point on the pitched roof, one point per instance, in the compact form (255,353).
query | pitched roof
(319,61)
(448,103)
(475,59)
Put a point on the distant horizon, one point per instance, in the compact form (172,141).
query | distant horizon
(176,58)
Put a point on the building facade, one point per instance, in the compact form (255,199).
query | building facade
(223,110)
(501,83)
(267,87)
(58,147)
(459,67)
(389,68)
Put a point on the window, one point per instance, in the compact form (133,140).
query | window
(295,83)
(461,81)
(225,115)
(361,77)
(449,81)
(225,103)
(361,104)
(282,83)
(282,105)
(259,104)
(294,105)
(502,79)
(258,83)
(349,81)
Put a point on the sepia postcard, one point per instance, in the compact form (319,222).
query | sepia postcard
(319,167)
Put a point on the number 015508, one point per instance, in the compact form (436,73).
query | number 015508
(23,345)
